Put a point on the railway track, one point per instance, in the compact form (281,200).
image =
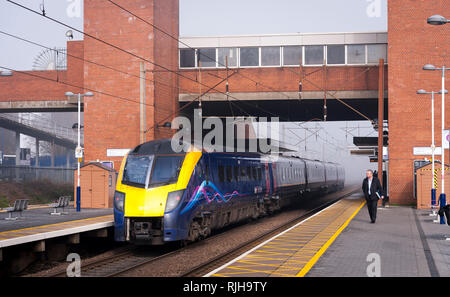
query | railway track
(125,259)
(129,258)
(114,263)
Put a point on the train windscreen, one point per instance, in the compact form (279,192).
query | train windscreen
(137,170)
(166,170)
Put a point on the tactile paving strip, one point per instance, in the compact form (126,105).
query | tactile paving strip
(295,251)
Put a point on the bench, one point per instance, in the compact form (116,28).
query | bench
(62,202)
(19,206)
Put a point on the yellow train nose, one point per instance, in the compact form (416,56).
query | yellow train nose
(146,203)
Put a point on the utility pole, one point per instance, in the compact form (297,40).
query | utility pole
(324,90)
(380,119)
(142,124)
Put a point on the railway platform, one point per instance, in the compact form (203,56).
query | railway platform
(37,225)
(341,241)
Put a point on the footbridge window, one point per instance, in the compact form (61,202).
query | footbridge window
(283,56)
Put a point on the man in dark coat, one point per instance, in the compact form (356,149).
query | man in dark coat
(372,190)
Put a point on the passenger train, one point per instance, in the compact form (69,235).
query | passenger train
(162,196)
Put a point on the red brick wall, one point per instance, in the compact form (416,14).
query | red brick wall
(166,53)
(412,44)
(112,122)
(286,79)
(23,87)
(75,65)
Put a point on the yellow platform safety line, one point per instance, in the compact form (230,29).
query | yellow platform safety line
(52,226)
(246,270)
(322,250)
(281,254)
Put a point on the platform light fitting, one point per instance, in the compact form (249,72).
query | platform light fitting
(75,126)
(437,20)
(69,34)
(87,94)
(166,125)
(429,67)
(422,91)
(6,73)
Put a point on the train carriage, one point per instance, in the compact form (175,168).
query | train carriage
(163,196)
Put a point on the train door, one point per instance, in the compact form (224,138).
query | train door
(268,180)
(273,178)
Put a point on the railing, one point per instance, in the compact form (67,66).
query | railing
(27,173)
(34,120)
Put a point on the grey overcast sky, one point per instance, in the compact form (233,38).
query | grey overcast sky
(215,17)
(197,17)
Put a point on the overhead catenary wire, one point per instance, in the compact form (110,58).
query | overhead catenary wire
(73,85)
(110,44)
(130,53)
(147,60)
(88,61)
(107,67)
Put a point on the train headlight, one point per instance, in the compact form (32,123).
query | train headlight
(119,201)
(173,199)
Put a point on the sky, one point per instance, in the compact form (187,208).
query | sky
(197,18)
(210,18)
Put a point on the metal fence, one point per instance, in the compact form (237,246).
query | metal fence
(27,173)
(36,121)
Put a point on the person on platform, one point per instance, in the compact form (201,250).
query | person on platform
(373,191)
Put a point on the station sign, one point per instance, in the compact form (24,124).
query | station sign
(79,152)
(116,152)
(426,150)
(445,138)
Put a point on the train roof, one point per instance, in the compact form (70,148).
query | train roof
(164,146)
(160,146)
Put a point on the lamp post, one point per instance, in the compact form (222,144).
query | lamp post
(442,199)
(439,20)
(79,149)
(433,146)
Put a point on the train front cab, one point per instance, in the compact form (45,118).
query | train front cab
(148,192)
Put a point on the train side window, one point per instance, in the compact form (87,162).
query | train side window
(229,174)
(259,173)
(249,173)
(236,173)
(243,174)
(255,174)
(221,174)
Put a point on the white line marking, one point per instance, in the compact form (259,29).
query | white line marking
(53,234)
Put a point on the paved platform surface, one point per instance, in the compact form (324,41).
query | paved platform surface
(294,251)
(38,224)
(41,216)
(407,241)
